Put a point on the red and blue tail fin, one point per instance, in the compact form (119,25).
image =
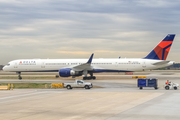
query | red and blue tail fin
(161,51)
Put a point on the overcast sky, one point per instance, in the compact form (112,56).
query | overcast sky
(76,28)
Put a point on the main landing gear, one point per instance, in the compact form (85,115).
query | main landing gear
(19,75)
(89,78)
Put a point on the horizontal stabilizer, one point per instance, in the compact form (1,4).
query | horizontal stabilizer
(161,63)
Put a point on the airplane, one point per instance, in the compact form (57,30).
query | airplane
(78,67)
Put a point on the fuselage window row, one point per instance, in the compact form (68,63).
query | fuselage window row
(73,63)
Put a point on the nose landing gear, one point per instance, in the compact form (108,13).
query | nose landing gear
(19,75)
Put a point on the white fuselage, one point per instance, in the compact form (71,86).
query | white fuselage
(102,65)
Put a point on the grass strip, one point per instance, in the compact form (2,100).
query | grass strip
(35,86)
(29,85)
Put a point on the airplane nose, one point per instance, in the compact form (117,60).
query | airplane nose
(3,68)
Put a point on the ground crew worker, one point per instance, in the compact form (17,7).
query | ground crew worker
(167,82)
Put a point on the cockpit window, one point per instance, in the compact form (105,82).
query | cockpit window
(8,64)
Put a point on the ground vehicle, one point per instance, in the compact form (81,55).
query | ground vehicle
(147,83)
(78,84)
(171,85)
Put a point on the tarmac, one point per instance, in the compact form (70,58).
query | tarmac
(117,99)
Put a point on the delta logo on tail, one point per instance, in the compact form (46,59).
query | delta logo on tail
(161,51)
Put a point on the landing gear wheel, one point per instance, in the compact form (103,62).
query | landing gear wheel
(155,88)
(167,87)
(86,78)
(89,78)
(57,76)
(140,88)
(19,77)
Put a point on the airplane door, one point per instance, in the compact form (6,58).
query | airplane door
(43,65)
(116,64)
(15,65)
(144,64)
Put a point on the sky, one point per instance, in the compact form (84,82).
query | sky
(64,29)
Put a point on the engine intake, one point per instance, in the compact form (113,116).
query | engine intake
(67,72)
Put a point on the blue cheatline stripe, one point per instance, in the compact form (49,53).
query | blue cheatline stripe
(164,51)
(39,71)
(106,70)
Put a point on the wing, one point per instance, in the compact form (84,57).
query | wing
(85,66)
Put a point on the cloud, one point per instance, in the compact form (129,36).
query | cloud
(23,29)
(73,52)
(157,3)
(77,28)
(101,52)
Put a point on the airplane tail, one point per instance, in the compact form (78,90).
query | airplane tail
(161,51)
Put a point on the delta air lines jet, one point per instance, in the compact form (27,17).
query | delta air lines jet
(78,67)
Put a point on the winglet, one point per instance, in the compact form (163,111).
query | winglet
(90,59)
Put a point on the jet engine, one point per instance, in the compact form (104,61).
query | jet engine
(67,72)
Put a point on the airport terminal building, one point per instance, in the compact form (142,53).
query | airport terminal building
(1,66)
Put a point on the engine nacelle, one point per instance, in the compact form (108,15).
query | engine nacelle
(67,72)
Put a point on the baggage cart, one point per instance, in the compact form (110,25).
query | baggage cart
(147,83)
